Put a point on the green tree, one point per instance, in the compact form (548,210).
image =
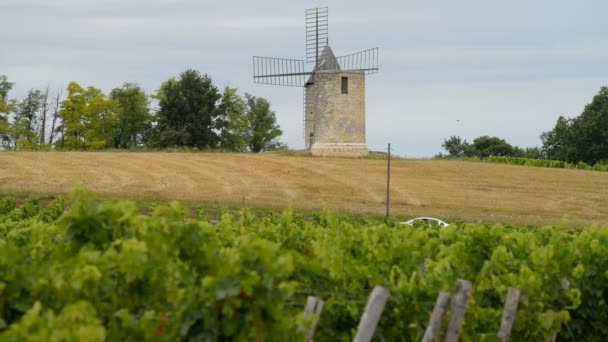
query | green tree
(528,152)
(560,143)
(232,121)
(72,114)
(455,146)
(583,138)
(133,115)
(99,119)
(263,130)
(6,107)
(187,112)
(486,146)
(25,130)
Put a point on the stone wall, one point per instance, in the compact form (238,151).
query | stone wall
(336,118)
(310,100)
(339,150)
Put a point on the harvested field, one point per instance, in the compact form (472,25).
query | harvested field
(451,190)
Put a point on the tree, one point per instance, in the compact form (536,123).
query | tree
(44,110)
(99,119)
(72,115)
(6,107)
(57,123)
(263,130)
(133,115)
(232,121)
(583,138)
(455,146)
(528,152)
(187,111)
(25,123)
(560,142)
(486,146)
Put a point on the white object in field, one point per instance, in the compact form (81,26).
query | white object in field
(427,220)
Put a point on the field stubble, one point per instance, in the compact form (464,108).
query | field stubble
(451,190)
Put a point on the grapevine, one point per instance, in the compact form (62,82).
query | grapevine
(102,271)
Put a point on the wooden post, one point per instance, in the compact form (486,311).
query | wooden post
(565,285)
(372,313)
(433,330)
(508,315)
(388,181)
(457,309)
(422,267)
(313,309)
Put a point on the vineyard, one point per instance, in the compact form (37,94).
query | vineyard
(101,271)
(556,164)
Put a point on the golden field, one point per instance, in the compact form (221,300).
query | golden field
(451,190)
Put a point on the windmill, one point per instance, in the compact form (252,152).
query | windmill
(334,90)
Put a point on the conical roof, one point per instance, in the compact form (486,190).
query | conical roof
(327,60)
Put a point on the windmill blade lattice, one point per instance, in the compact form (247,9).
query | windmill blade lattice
(317,32)
(279,71)
(366,60)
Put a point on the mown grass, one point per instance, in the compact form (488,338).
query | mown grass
(447,189)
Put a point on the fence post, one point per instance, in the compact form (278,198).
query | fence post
(422,267)
(372,313)
(433,330)
(457,309)
(565,285)
(312,310)
(508,315)
(388,181)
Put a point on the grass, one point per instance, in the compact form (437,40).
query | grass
(448,189)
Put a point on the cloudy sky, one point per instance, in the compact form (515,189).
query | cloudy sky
(467,68)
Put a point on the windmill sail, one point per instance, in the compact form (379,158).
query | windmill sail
(291,72)
(279,71)
(366,60)
(317,32)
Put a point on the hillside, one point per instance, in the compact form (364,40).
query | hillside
(447,189)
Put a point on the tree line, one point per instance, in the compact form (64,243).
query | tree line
(583,138)
(486,146)
(192,112)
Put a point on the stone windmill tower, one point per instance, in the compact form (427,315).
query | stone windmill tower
(334,90)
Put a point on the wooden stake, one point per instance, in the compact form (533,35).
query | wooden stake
(372,313)
(508,315)
(457,309)
(433,330)
(422,267)
(388,181)
(565,285)
(313,309)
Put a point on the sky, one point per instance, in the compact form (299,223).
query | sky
(466,68)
